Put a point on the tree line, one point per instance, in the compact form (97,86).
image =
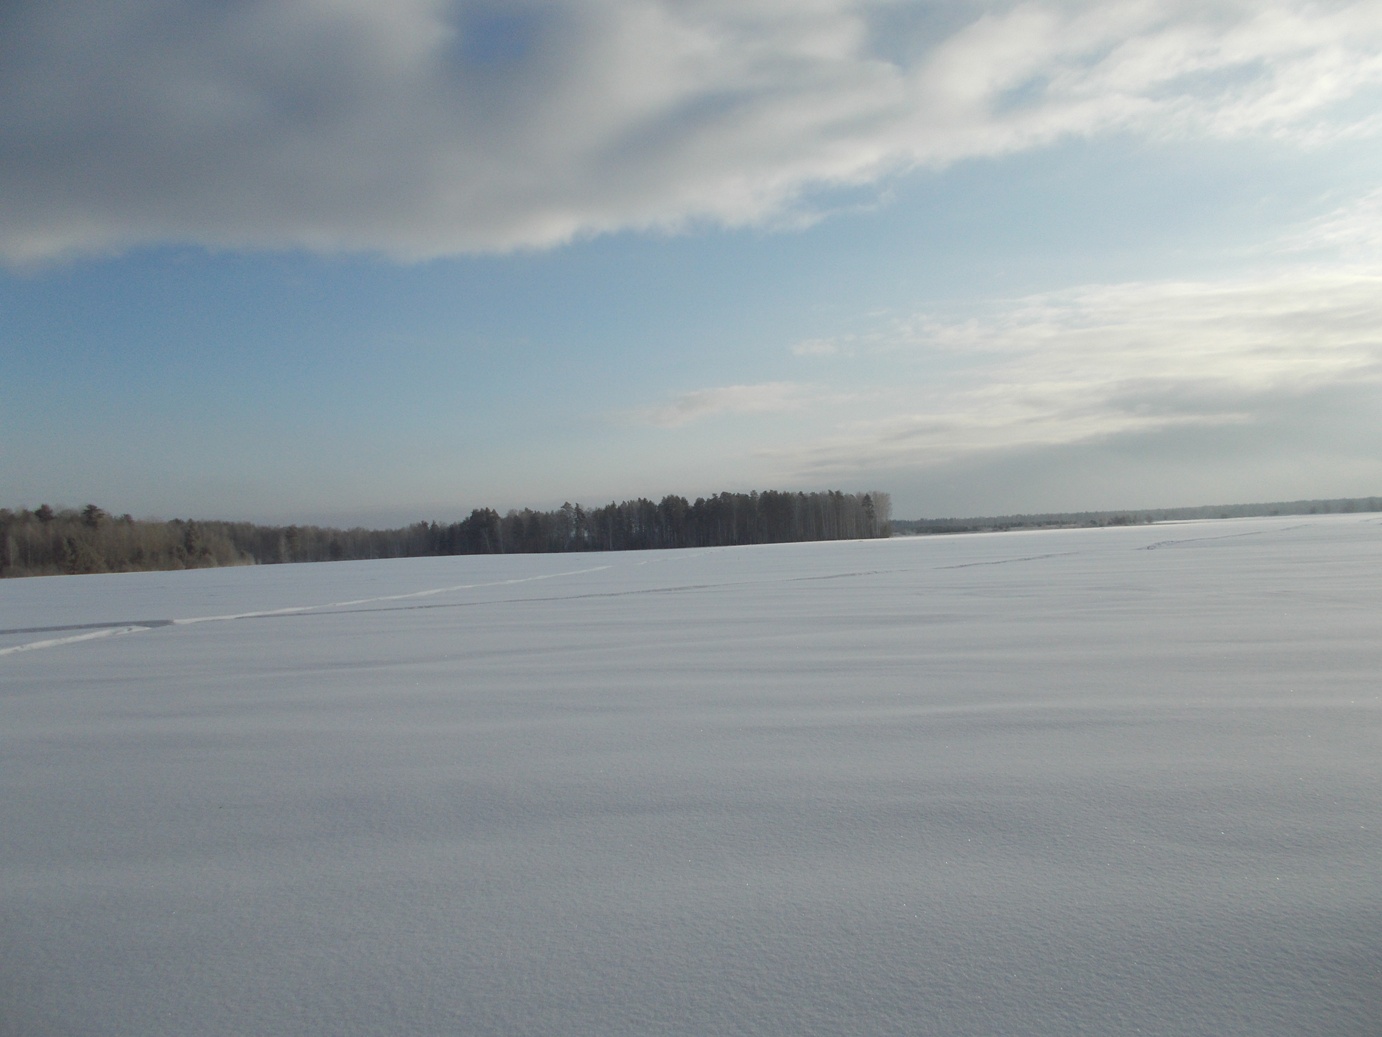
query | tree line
(1331,506)
(46,541)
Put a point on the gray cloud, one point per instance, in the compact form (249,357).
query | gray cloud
(1322,443)
(431,127)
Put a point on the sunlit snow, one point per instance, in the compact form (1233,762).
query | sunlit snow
(1096,781)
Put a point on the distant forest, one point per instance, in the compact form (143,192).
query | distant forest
(994,523)
(48,542)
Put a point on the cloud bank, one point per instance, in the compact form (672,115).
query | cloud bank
(432,127)
(1105,361)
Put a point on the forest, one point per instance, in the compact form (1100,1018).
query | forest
(48,541)
(1068,519)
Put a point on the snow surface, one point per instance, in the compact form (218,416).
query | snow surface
(1109,781)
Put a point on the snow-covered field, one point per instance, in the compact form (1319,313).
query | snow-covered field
(1112,781)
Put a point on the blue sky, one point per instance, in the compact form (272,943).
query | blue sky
(336,261)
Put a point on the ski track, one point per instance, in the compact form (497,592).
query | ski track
(1225,536)
(1009,561)
(91,635)
(95,631)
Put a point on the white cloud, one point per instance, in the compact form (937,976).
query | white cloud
(819,347)
(431,127)
(1114,360)
(694,406)
(1352,231)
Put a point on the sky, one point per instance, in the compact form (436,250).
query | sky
(347,262)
